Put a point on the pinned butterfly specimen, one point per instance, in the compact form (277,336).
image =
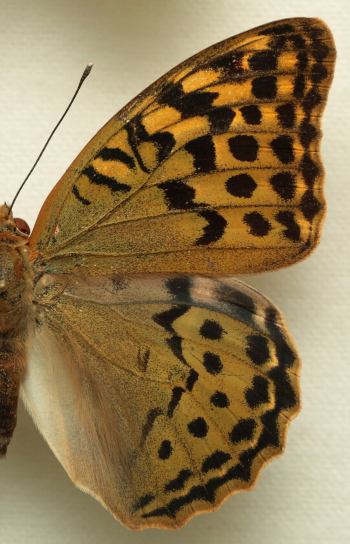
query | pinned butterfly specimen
(162,384)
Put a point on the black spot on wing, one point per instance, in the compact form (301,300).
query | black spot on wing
(243,430)
(78,196)
(220,119)
(220,400)
(259,225)
(283,148)
(202,150)
(283,183)
(179,482)
(251,114)
(265,60)
(241,185)
(212,363)
(244,148)
(299,86)
(165,450)
(215,228)
(287,219)
(258,349)
(116,154)
(215,461)
(259,392)
(211,330)
(286,115)
(198,427)
(265,87)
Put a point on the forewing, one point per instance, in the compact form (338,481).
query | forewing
(160,396)
(213,169)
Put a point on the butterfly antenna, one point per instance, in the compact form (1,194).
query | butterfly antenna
(82,79)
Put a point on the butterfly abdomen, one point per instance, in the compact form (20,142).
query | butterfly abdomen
(15,316)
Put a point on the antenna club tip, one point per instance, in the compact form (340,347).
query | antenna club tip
(86,72)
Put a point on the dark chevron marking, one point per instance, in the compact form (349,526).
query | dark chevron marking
(136,133)
(78,196)
(309,205)
(307,133)
(146,499)
(146,428)
(179,196)
(167,318)
(215,460)
(116,154)
(309,170)
(215,228)
(191,380)
(100,179)
(142,361)
(180,480)
(175,399)
(175,344)
(188,104)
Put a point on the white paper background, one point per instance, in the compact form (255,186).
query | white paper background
(303,497)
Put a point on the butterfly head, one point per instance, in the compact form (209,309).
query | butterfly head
(13,226)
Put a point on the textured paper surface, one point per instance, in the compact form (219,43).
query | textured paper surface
(303,497)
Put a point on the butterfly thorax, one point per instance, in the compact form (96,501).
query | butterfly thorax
(15,318)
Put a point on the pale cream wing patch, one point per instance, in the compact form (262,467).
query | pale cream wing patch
(160,396)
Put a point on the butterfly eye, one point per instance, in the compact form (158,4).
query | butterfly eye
(22,226)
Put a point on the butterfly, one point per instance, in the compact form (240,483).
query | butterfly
(162,384)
